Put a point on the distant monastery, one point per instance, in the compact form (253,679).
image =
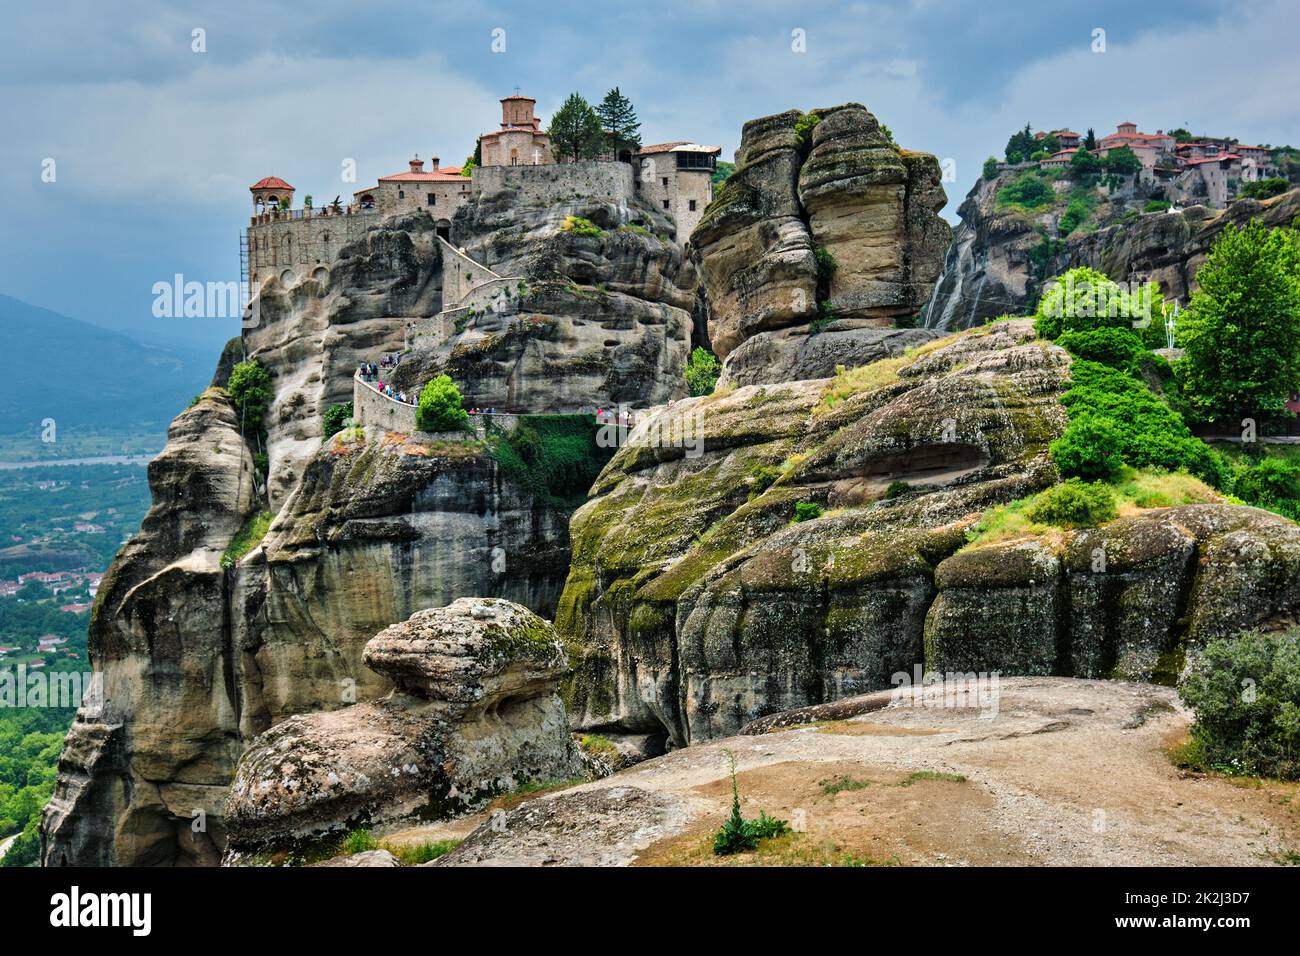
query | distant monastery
(281,240)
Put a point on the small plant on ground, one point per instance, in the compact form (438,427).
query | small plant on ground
(359,841)
(247,538)
(841,785)
(897,489)
(422,852)
(920,775)
(738,834)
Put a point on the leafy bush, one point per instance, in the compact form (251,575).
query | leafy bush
(1272,483)
(1091,448)
(440,408)
(553,456)
(1242,329)
(1084,298)
(1156,205)
(762,477)
(336,418)
(738,834)
(1245,695)
(582,227)
(1120,348)
(1028,192)
(1074,504)
(702,370)
(897,489)
(990,168)
(1115,418)
(1264,188)
(1075,213)
(359,841)
(804,126)
(806,511)
(415,855)
(826,264)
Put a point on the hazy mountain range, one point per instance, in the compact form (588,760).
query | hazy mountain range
(87,377)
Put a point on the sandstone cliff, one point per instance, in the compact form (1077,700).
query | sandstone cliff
(597,311)
(797,201)
(695,605)
(1000,258)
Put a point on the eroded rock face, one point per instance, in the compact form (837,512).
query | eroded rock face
(199,661)
(995,265)
(166,740)
(847,190)
(595,320)
(475,712)
(695,605)
(312,335)
(1128,600)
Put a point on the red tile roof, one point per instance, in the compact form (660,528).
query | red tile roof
(270,182)
(439,176)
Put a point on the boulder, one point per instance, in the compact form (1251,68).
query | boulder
(474,713)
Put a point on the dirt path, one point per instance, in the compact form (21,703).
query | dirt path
(1069,772)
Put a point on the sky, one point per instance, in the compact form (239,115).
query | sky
(155,132)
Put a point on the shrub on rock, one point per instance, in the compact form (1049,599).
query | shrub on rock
(1074,504)
(440,408)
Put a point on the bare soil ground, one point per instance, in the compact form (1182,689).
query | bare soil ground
(1068,772)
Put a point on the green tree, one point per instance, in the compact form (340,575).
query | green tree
(990,168)
(575,130)
(336,418)
(722,172)
(1090,140)
(618,119)
(1242,329)
(702,372)
(1122,161)
(1021,144)
(1084,165)
(440,408)
(250,390)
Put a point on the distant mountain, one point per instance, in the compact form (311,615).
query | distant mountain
(87,377)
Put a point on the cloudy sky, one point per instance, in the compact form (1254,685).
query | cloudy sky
(155,144)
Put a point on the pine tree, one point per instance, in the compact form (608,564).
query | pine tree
(1090,141)
(618,119)
(575,130)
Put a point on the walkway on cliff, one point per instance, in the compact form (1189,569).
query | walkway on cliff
(461,272)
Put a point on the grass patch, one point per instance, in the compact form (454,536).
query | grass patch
(1136,490)
(920,775)
(843,785)
(598,746)
(864,378)
(422,852)
(247,538)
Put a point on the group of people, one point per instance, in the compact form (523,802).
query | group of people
(482,411)
(369,372)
